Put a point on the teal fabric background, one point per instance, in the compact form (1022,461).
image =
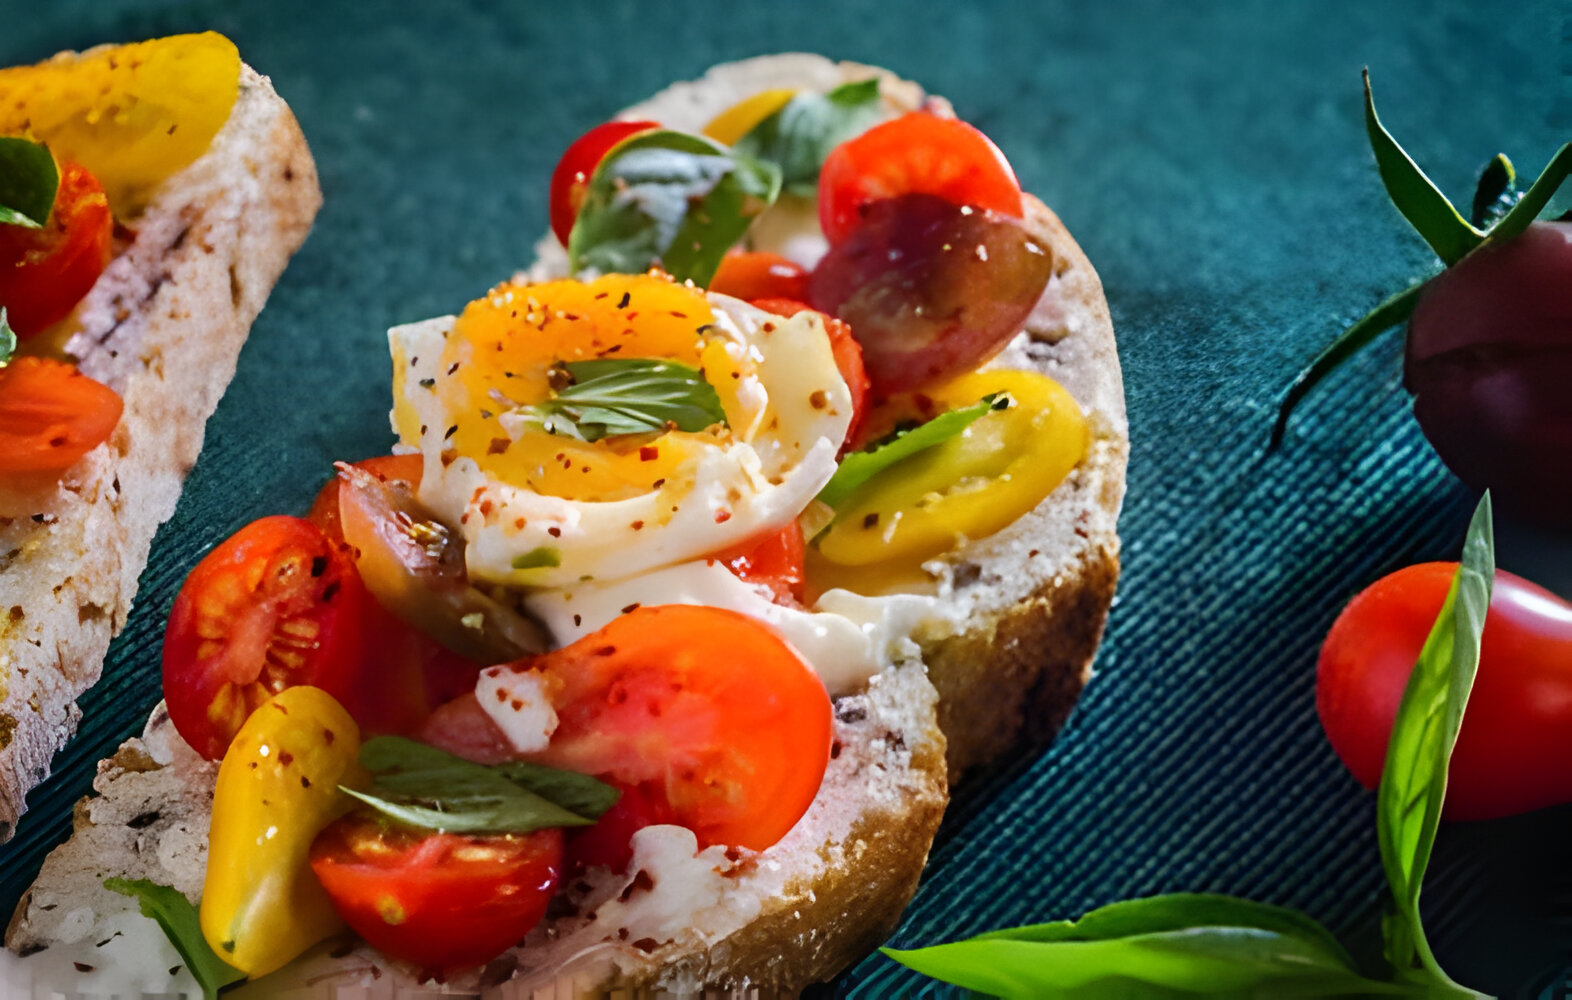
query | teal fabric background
(1211,160)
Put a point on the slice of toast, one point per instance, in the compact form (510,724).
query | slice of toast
(163,327)
(1032,600)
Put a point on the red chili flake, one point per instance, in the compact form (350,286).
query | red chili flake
(453,367)
(498,446)
(626,298)
(606,651)
(628,610)
(519,524)
(767,327)
(871,520)
(285,758)
(578,620)
(722,516)
(819,399)
(679,315)
(648,453)
(638,525)
(554,531)
(502,696)
(516,704)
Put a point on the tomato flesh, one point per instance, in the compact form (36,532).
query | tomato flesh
(917,153)
(51,415)
(773,560)
(441,901)
(572,175)
(753,275)
(276,605)
(609,842)
(45,272)
(1513,750)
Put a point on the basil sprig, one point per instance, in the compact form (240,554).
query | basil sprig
(7,339)
(29,181)
(670,199)
(801,134)
(430,788)
(860,466)
(632,396)
(1192,944)
(1496,204)
(179,921)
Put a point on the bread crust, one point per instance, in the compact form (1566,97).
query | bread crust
(163,326)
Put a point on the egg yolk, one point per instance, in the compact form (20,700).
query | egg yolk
(503,348)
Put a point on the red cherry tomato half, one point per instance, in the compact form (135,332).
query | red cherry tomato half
(752,275)
(45,272)
(774,560)
(610,841)
(440,901)
(709,712)
(917,153)
(848,358)
(576,167)
(51,415)
(1514,752)
(276,605)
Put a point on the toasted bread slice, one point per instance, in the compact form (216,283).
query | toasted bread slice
(1030,602)
(163,327)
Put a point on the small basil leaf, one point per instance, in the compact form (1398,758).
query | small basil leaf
(1496,192)
(426,787)
(1413,783)
(1380,319)
(536,558)
(178,918)
(1420,201)
(669,199)
(1536,197)
(7,339)
(857,468)
(801,134)
(1185,944)
(29,180)
(633,396)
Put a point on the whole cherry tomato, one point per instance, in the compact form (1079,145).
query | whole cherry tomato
(578,164)
(917,153)
(51,415)
(751,275)
(441,901)
(1514,752)
(848,359)
(275,606)
(45,272)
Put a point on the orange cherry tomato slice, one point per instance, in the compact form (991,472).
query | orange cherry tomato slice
(51,415)
(750,275)
(45,272)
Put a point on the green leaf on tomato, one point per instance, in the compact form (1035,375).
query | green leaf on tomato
(1184,943)
(178,918)
(1415,195)
(857,468)
(7,339)
(1413,782)
(613,396)
(430,788)
(670,199)
(801,134)
(29,181)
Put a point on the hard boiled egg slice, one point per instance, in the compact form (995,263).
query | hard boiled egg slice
(548,510)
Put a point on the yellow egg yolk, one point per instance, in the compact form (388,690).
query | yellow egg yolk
(503,348)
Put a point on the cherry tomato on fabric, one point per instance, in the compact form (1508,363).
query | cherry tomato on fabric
(573,171)
(709,710)
(931,290)
(276,605)
(45,272)
(917,153)
(773,560)
(441,901)
(848,359)
(609,842)
(51,415)
(1514,752)
(750,275)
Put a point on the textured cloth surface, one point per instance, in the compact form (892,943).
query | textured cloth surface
(1211,160)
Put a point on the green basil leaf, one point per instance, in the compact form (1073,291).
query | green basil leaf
(1413,783)
(1420,201)
(1165,946)
(7,339)
(1496,192)
(29,180)
(1536,197)
(672,199)
(178,918)
(860,466)
(801,134)
(426,787)
(536,558)
(632,396)
(1378,320)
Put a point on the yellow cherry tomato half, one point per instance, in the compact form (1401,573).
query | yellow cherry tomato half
(277,788)
(131,114)
(970,486)
(740,119)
